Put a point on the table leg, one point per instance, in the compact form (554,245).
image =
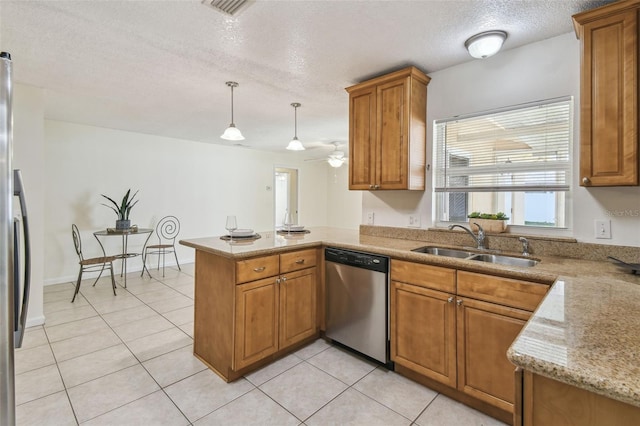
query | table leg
(125,240)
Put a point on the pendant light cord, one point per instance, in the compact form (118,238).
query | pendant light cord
(232,105)
(295,122)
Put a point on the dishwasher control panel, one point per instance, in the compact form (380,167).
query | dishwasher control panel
(358,259)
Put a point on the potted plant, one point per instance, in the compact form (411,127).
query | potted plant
(123,209)
(490,222)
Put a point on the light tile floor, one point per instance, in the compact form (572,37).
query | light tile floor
(127,360)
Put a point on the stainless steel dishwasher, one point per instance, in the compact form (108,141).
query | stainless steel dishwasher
(357,297)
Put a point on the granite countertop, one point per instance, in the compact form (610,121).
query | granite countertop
(584,333)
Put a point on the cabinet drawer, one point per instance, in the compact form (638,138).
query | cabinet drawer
(296,260)
(256,268)
(505,291)
(434,277)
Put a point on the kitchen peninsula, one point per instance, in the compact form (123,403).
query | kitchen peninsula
(581,334)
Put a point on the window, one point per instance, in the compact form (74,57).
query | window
(515,160)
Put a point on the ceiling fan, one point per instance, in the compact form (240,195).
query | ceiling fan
(335,158)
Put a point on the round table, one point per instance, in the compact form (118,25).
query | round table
(124,234)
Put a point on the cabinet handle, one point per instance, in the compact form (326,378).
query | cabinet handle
(459,302)
(372,186)
(260,269)
(300,261)
(450,299)
(376,186)
(277,280)
(284,279)
(586,180)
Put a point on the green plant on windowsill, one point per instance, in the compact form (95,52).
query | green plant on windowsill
(123,209)
(489,216)
(488,221)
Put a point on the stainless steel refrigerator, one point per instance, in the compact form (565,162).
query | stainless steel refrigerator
(15,258)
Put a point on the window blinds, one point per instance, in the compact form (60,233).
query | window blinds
(522,148)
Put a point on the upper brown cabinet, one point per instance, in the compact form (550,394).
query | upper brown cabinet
(387,131)
(609,94)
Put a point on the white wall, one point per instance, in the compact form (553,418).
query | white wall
(199,183)
(344,207)
(28,155)
(542,70)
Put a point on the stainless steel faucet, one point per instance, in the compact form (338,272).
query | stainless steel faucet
(525,246)
(479,239)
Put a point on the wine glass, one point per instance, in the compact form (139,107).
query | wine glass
(288,221)
(231,226)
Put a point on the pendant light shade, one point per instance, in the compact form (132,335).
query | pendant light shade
(232,133)
(295,144)
(485,44)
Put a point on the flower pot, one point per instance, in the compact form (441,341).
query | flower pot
(123,224)
(489,225)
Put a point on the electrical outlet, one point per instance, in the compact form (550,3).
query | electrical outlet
(370,218)
(603,229)
(414,221)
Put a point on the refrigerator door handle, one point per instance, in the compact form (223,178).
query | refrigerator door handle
(18,191)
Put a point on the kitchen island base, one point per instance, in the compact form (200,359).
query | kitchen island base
(249,312)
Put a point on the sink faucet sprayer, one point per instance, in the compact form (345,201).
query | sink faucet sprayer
(525,246)
(479,239)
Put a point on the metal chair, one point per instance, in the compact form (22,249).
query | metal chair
(92,264)
(167,231)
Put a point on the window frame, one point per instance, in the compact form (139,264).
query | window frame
(563,196)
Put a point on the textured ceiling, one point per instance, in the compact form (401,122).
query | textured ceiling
(159,67)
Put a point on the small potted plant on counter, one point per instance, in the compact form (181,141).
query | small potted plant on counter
(490,222)
(123,209)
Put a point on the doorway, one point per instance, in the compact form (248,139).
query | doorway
(286,194)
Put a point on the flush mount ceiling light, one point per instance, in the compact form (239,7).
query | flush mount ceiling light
(485,44)
(232,133)
(295,144)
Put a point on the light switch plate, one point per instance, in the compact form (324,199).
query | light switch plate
(414,221)
(603,229)
(370,218)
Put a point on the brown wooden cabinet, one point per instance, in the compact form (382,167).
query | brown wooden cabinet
(423,320)
(609,153)
(387,131)
(485,332)
(454,327)
(549,402)
(491,312)
(250,311)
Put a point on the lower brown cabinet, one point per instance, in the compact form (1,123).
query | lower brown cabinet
(274,313)
(549,402)
(460,336)
(247,311)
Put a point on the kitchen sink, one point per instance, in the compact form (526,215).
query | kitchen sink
(504,260)
(479,257)
(442,251)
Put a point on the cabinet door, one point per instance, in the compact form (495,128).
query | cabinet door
(485,332)
(256,328)
(362,138)
(423,331)
(392,138)
(609,101)
(298,308)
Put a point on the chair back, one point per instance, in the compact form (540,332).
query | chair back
(168,229)
(77,242)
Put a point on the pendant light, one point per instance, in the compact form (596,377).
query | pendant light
(295,144)
(485,44)
(232,133)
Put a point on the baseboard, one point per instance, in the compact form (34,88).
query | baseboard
(72,278)
(32,322)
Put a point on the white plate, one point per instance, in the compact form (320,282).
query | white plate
(293,228)
(243,233)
